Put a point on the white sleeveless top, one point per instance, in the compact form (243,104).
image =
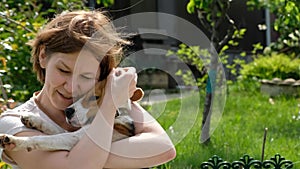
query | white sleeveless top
(10,123)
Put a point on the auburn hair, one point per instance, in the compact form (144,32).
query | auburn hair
(71,32)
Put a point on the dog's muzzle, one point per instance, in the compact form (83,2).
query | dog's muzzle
(69,112)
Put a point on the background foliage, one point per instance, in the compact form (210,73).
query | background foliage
(19,22)
(268,67)
(191,56)
(223,34)
(279,58)
(286,24)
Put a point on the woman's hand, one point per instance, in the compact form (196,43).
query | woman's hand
(121,84)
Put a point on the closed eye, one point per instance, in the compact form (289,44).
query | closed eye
(63,70)
(87,77)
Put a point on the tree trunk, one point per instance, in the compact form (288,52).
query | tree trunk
(207,112)
(210,86)
(214,25)
(205,138)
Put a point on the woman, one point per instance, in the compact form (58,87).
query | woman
(71,53)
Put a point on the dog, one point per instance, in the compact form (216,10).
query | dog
(79,114)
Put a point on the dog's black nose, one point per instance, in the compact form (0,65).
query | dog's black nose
(69,112)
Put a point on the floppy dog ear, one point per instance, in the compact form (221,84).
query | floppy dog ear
(137,95)
(106,65)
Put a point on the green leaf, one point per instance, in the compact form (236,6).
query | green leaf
(289,6)
(243,54)
(191,7)
(243,31)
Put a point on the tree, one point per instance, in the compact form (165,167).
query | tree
(213,15)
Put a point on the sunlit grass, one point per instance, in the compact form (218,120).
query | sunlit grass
(240,130)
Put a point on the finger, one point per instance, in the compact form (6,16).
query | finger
(126,69)
(128,73)
(135,77)
(118,72)
(131,70)
(131,74)
(131,91)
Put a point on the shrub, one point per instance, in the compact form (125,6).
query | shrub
(274,65)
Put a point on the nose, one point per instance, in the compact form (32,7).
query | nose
(71,86)
(68,86)
(69,112)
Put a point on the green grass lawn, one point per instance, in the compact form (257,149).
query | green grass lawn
(240,130)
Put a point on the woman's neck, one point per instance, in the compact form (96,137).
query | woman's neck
(56,115)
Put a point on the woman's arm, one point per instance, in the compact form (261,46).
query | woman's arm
(151,146)
(93,148)
(91,151)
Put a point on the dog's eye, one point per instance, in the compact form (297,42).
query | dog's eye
(93,98)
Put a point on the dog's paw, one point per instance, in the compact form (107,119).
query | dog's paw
(13,143)
(31,121)
(6,141)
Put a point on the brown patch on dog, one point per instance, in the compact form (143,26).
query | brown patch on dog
(123,130)
(137,95)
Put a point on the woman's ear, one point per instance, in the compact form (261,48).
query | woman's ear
(42,57)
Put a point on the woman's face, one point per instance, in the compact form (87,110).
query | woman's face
(68,77)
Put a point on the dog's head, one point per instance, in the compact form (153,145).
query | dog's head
(83,111)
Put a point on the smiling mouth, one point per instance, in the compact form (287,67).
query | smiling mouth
(65,97)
